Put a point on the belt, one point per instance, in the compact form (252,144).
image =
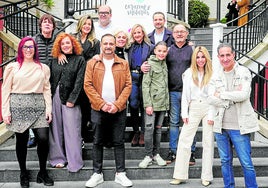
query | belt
(135,71)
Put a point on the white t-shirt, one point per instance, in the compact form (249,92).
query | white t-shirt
(108,89)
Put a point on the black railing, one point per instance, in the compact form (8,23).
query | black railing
(83,5)
(20,20)
(176,8)
(259,99)
(246,37)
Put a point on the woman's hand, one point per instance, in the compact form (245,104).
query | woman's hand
(69,104)
(96,57)
(48,117)
(185,120)
(62,59)
(7,120)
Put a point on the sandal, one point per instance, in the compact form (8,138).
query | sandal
(59,165)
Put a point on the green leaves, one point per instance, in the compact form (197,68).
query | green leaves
(47,3)
(198,13)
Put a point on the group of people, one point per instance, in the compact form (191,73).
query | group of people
(61,82)
(237,8)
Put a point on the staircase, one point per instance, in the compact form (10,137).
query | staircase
(203,37)
(152,177)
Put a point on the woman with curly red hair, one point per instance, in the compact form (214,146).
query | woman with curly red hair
(66,85)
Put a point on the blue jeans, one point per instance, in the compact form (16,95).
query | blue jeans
(241,143)
(136,103)
(174,121)
(108,127)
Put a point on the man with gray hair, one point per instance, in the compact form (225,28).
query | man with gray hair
(229,93)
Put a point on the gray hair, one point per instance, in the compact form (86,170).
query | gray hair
(228,45)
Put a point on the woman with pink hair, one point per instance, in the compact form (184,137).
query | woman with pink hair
(27,104)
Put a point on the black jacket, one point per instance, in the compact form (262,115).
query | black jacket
(69,77)
(44,47)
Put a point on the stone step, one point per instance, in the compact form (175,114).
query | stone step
(9,171)
(163,183)
(7,153)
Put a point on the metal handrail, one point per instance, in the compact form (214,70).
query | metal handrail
(246,37)
(247,13)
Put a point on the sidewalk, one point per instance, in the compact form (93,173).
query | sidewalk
(192,183)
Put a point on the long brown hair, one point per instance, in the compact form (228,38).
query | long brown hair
(91,35)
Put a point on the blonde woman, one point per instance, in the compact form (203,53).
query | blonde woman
(122,44)
(194,109)
(139,51)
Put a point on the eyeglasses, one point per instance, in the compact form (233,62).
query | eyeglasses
(179,32)
(104,13)
(28,47)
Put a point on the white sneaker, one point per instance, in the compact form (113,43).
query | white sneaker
(94,180)
(146,162)
(121,178)
(159,161)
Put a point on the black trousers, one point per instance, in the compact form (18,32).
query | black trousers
(108,128)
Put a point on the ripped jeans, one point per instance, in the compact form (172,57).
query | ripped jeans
(153,131)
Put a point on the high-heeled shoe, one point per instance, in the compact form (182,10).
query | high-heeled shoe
(42,177)
(24,180)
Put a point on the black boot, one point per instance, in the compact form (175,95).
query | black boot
(42,177)
(24,180)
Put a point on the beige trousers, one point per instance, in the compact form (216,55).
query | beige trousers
(198,110)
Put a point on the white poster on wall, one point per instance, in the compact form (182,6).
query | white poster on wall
(126,13)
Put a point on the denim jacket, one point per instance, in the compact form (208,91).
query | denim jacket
(240,96)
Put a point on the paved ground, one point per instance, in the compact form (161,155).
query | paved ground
(192,183)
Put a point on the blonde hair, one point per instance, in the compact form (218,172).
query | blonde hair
(126,34)
(207,68)
(145,38)
(91,37)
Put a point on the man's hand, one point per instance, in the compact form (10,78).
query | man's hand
(217,94)
(210,122)
(113,109)
(145,67)
(106,107)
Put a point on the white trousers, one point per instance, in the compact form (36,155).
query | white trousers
(198,110)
